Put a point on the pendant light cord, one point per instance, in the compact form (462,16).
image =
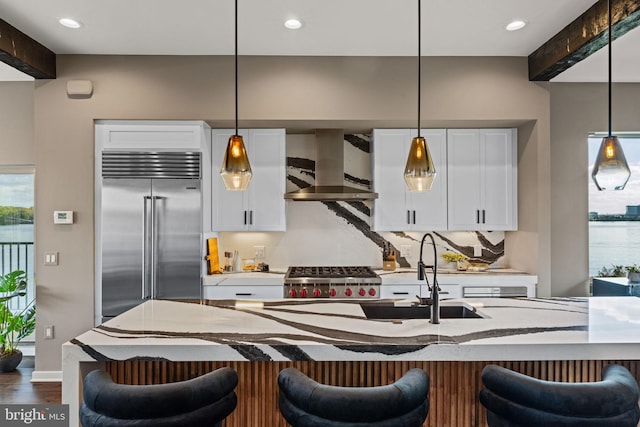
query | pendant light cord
(419,59)
(236,63)
(610,29)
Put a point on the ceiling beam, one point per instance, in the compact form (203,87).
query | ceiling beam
(584,36)
(25,54)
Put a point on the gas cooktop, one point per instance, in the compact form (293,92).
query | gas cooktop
(331,282)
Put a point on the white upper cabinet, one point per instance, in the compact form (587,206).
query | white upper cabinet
(262,206)
(482,179)
(398,209)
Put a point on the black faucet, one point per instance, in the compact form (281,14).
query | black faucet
(434,301)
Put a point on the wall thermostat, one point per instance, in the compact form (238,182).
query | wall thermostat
(63,217)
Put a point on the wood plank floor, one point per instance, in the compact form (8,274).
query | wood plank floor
(16,386)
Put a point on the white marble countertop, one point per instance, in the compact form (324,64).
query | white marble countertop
(228,330)
(401,275)
(513,329)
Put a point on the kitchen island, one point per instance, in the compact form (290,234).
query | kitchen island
(158,341)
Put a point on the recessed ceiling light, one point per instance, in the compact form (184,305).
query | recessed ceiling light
(70,23)
(516,25)
(292,24)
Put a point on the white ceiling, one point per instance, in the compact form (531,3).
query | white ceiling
(330,27)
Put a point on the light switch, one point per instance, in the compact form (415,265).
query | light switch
(477,250)
(51,258)
(48,332)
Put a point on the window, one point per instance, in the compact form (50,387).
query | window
(17,226)
(614,216)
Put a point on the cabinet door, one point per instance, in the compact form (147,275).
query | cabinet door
(396,208)
(429,209)
(390,149)
(498,179)
(229,211)
(266,191)
(464,199)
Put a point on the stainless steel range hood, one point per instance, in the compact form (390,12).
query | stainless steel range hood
(330,172)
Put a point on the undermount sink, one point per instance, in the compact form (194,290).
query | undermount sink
(388,311)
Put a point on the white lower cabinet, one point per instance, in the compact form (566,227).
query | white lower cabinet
(399,291)
(243,286)
(413,290)
(243,292)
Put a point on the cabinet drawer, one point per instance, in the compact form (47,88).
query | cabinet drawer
(399,291)
(243,292)
(448,291)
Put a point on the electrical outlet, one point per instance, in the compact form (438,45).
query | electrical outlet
(258,251)
(48,332)
(405,251)
(477,250)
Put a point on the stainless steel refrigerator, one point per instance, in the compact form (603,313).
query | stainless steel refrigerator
(151,224)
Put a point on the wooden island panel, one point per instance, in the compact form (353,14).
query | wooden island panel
(453,392)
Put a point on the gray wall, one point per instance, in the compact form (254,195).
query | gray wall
(576,110)
(296,92)
(16,123)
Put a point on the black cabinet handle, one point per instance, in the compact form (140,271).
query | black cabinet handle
(243,294)
(250,217)
(245,217)
(483,216)
(414,217)
(408,217)
(401,293)
(477,216)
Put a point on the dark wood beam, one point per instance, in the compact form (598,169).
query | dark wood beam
(582,37)
(25,54)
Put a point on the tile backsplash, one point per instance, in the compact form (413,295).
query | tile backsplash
(338,233)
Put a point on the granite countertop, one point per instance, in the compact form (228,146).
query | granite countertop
(512,329)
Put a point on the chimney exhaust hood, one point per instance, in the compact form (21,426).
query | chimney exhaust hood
(330,173)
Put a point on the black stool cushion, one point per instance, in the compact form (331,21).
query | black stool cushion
(513,399)
(305,403)
(202,401)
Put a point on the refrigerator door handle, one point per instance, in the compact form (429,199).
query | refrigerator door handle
(146,247)
(154,245)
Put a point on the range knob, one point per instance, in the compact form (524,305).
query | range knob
(332,292)
(303,292)
(293,293)
(372,292)
(362,292)
(348,292)
(316,292)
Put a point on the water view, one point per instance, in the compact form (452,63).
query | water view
(16,233)
(616,243)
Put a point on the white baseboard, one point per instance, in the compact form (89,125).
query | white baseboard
(46,377)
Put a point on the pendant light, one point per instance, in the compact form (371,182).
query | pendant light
(419,171)
(611,171)
(236,170)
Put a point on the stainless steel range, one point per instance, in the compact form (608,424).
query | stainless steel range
(331,282)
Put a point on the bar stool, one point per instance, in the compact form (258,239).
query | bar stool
(202,401)
(513,399)
(305,403)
